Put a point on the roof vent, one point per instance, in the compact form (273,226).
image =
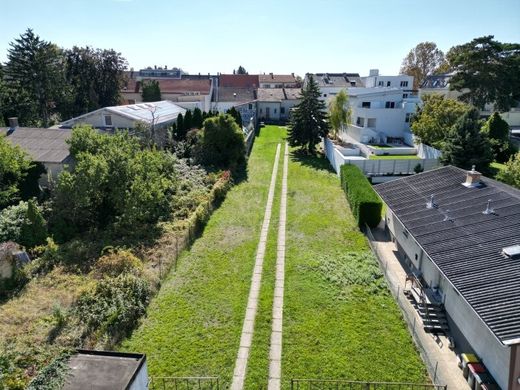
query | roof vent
(472,178)
(513,252)
(13,123)
(489,209)
(431,203)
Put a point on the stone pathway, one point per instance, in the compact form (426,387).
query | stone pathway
(275,352)
(256,281)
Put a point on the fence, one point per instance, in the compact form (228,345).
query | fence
(320,384)
(184,383)
(395,289)
(378,167)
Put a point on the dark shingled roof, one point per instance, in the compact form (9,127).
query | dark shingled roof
(43,145)
(467,245)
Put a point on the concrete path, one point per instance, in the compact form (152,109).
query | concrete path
(256,281)
(441,362)
(275,352)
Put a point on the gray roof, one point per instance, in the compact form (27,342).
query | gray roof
(270,94)
(103,370)
(293,93)
(232,94)
(466,246)
(340,80)
(43,145)
(437,81)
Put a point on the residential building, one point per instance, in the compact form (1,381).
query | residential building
(375,80)
(236,90)
(278,81)
(381,115)
(331,83)
(275,104)
(159,114)
(158,72)
(440,84)
(459,234)
(46,146)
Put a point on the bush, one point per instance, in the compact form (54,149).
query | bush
(33,231)
(117,262)
(364,202)
(11,220)
(53,376)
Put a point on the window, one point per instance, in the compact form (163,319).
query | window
(416,256)
(371,122)
(352,83)
(390,105)
(250,106)
(108,120)
(408,116)
(404,83)
(282,110)
(360,121)
(388,83)
(365,104)
(261,110)
(405,95)
(381,84)
(324,95)
(275,110)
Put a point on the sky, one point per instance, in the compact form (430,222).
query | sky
(280,36)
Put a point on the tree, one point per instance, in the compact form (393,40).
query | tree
(466,145)
(340,113)
(309,120)
(14,165)
(188,121)
(486,71)
(222,143)
(151,91)
(35,69)
(241,70)
(497,130)
(511,173)
(433,121)
(236,115)
(181,129)
(423,60)
(197,118)
(33,231)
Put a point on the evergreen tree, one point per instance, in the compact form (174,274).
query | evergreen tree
(497,130)
(309,120)
(180,133)
(33,231)
(236,115)
(241,70)
(197,118)
(151,92)
(188,120)
(466,145)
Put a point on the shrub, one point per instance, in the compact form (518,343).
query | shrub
(53,376)
(117,262)
(33,231)
(11,220)
(364,202)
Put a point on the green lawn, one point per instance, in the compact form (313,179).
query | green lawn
(193,326)
(395,157)
(339,319)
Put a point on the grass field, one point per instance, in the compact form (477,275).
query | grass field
(339,319)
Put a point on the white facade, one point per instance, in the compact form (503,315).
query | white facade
(381,115)
(400,81)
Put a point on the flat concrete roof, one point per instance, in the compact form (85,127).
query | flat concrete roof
(101,370)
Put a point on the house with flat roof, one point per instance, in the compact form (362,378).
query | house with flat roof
(375,80)
(331,83)
(46,146)
(459,233)
(272,80)
(159,114)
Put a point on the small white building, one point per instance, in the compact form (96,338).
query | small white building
(331,83)
(159,114)
(381,115)
(374,80)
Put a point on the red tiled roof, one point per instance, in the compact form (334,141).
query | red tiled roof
(239,80)
(202,86)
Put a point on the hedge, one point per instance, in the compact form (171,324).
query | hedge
(364,202)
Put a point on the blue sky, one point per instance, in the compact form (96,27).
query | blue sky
(280,36)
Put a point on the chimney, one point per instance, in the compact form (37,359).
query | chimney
(272,76)
(472,178)
(13,123)
(292,74)
(373,72)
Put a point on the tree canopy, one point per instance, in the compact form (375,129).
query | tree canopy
(466,145)
(511,173)
(340,113)
(151,91)
(433,121)
(240,70)
(486,71)
(309,120)
(497,130)
(236,115)
(423,60)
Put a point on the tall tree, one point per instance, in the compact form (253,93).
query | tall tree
(35,68)
(487,71)
(433,121)
(151,92)
(309,120)
(467,145)
(241,70)
(181,131)
(111,67)
(197,118)
(423,60)
(497,130)
(188,120)
(340,113)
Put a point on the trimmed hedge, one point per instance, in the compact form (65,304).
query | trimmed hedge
(364,202)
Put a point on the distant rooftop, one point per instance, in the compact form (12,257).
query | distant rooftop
(230,94)
(277,78)
(271,94)
(338,79)
(179,86)
(43,145)
(103,370)
(238,80)
(437,81)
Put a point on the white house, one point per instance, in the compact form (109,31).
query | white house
(161,114)
(458,232)
(381,115)
(275,104)
(374,80)
(331,83)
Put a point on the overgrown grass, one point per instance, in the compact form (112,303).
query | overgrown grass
(395,157)
(193,326)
